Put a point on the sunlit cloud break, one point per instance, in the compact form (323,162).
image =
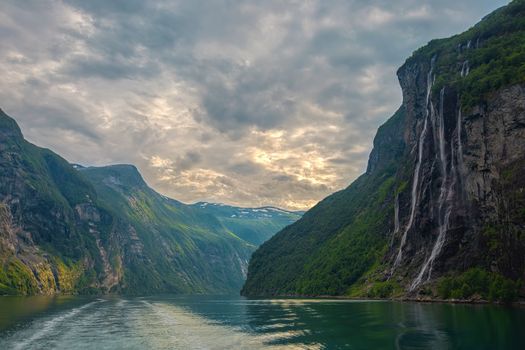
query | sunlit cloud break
(249,103)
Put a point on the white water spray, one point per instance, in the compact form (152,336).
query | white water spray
(465,69)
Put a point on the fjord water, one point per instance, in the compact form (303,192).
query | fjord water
(204,322)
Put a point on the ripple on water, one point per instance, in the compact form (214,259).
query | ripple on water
(42,332)
(215,323)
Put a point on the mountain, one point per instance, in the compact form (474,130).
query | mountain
(254,225)
(439,212)
(167,245)
(73,229)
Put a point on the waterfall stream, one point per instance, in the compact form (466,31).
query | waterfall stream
(460,144)
(396,214)
(415,181)
(450,168)
(465,69)
(447,194)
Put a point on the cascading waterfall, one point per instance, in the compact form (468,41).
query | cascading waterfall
(441,139)
(447,193)
(415,181)
(457,155)
(415,186)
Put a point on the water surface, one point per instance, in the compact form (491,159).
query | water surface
(207,322)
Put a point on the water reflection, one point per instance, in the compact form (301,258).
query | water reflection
(176,322)
(18,309)
(372,324)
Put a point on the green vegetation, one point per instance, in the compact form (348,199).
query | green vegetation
(254,225)
(345,257)
(503,240)
(16,278)
(477,283)
(341,238)
(383,290)
(494,49)
(177,247)
(102,230)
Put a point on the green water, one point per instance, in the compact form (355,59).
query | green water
(198,322)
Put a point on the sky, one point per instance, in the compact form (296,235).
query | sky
(249,103)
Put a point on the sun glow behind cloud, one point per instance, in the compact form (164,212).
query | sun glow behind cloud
(249,103)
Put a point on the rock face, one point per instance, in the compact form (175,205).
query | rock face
(38,195)
(444,189)
(465,165)
(71,229)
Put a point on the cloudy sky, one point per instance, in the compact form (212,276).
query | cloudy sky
(243,102)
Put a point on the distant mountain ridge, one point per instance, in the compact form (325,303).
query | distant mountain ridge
(254,225)
(73,229)
(251,210)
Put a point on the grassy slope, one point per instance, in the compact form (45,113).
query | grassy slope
(337,240)
(498,59)
(187,251)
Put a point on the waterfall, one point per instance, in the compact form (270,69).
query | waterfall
(396,214)
(415,181)
(460,144)
(465,69)
(415,186)
(447,194)
(441,137)
(458,153)
(396,219)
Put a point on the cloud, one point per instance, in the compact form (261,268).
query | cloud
(249,103)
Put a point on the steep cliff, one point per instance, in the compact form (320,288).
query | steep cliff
(46,240)
(447,209)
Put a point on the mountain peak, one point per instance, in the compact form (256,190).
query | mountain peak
(8,126)
(118,174)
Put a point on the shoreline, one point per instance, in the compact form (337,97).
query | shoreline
(519,303)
